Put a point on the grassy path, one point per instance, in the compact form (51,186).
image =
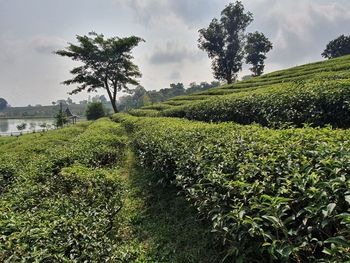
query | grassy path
(158,225)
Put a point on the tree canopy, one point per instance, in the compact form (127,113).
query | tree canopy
(256,48)
(337,47)
(107,64)
(223,40)
(141,97)
(95,110)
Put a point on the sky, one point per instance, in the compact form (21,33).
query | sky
(30,30)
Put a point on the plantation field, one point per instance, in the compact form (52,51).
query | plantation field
(257,171)
(271,195)
(59,194)
(317,94)
(74,195)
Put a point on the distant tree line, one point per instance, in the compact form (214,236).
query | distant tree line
(141,97)
(3,104)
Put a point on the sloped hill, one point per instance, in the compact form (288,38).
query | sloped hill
(271,195)
(317,94)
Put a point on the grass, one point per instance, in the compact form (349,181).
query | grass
(159,225)
(77,194)
(272,195)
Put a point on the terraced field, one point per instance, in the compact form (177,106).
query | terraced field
(274,191)
(210,186)
(317,94)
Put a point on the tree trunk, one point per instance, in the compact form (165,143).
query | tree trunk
(111,98)
(114,105)
(229,79)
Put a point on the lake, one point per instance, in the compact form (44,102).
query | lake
(8,126)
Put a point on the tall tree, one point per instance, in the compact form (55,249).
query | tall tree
(337,47)
(257,46)
(107,64)
(3,104)
(223,40)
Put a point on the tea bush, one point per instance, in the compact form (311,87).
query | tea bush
(60,194)
(316,94)
(272,195)
(317,103)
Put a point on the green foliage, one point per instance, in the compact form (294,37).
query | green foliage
(107,64)
(316,94)
(141,97)
(256,48)
(95,110)
(60,196)
(223,40)
(159,225)
(61,118)
(272,195)
(317,103)
(337,47)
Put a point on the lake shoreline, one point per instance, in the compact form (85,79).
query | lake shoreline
(16,126)
(26,118)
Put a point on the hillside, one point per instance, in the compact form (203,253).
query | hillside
(316,94)
(156,188)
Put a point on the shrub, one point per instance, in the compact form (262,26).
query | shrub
(272,195)
(60,196)
(317,94)
(317,103)
(95,110)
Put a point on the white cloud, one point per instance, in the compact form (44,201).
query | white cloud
(47,44)
(173,52)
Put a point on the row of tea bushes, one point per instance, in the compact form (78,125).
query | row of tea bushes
(60,194)
(272,195)
(317,103)
(319,95)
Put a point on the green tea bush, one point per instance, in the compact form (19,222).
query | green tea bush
(317,103)
(272,195)
(144,112)
(316,94)
(60,194)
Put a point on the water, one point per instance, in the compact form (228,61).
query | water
(8,126)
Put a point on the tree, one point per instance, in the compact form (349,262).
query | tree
(177,89)
(60,118)
(223,40)
(146,100)
(257,46)
(95,110)
(3,104)
(107,64)
(337,47)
